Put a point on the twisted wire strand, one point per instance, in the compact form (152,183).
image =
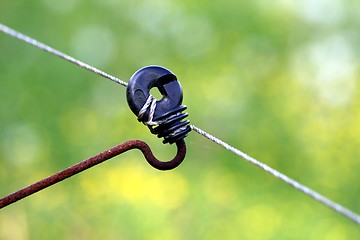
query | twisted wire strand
(55,52)
(298,186)
(151,105)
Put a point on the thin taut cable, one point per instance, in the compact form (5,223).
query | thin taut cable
(298,186)
(55,52)
(318,197)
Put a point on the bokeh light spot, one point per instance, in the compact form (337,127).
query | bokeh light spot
(64,7)
(94,44)
(20,144)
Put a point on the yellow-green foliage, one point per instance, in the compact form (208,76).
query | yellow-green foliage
(277,79)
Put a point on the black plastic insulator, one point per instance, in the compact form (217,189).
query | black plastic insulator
(168,111)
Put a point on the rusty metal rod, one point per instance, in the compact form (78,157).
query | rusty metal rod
(92,161)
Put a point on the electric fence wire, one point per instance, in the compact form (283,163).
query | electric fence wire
(318,197)
(298,186)
(55,52)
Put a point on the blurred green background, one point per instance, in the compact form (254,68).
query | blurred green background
(277,79)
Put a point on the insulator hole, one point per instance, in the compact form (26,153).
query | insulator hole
(156,93)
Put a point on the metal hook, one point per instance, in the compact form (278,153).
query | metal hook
(92,161)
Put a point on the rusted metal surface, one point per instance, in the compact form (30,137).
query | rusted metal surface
(92,161)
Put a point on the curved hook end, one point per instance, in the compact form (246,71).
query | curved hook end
(175,162)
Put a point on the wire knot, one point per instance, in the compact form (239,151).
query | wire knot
(150,106)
